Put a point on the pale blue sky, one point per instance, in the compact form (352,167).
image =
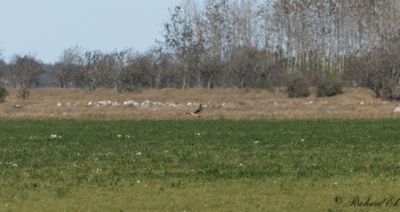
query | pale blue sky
(45,28)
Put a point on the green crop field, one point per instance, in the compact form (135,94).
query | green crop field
(207,165)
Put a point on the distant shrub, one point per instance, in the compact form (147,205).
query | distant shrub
(390,90)
(3,94)
(298,87)
(329,87)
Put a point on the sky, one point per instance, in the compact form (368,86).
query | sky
(44,28)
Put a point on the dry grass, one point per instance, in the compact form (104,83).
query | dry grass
(221,103)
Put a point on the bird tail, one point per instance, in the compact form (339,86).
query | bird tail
(193,114)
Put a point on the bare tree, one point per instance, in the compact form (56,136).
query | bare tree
(68,66)
(138,72)
(180,37)
(25,70)
(3,66)
(120,61)
(3,91)
(247,43)
(88,74)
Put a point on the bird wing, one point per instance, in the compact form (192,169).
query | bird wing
(199,109)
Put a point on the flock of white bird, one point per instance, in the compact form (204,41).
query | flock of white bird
(148,103)
(143,104)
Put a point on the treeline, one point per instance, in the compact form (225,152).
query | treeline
(246,43)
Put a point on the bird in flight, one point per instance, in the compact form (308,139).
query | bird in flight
(197,112)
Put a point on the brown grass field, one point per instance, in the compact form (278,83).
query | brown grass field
(230,103)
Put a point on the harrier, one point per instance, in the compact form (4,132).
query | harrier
(197,112)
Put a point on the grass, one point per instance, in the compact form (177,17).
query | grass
(229,103)
(211,165)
